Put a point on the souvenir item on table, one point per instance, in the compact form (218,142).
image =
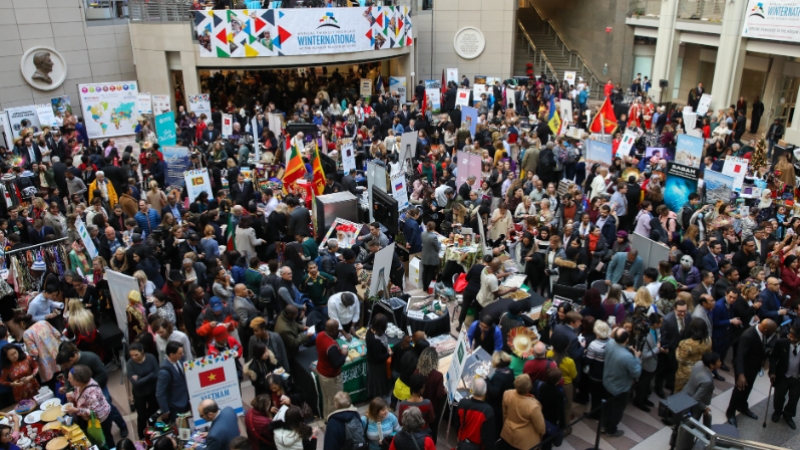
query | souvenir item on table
(521,340)
(25,406)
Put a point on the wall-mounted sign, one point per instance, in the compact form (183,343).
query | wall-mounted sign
(775,20)
(469,42)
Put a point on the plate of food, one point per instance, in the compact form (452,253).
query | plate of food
(33,417)
(65,406)
(50,404)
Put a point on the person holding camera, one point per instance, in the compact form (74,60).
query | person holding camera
(622,367)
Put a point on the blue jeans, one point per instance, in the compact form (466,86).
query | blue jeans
(114,416)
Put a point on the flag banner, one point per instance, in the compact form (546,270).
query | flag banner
(605,121)
(200,104)
(318,173)
(300,31)
(213,377)
(197,181)
(109,108)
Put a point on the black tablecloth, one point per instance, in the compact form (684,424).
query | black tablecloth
(497,308)
(431,327)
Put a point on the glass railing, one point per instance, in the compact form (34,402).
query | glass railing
(711,10)
(106,10)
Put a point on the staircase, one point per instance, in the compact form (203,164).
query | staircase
(539,43)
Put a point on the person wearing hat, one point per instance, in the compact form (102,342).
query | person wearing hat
(511,319)
(214,314)
(175,292)
(222,341)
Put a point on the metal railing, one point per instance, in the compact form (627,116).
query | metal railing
(105,9)
(711,10)
(539,59)
(161,10)
(647,8)
(576,62)
(710,440)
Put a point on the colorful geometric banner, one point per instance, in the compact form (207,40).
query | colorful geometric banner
(301,31)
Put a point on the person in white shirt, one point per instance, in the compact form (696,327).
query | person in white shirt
(165,333)
(344,308)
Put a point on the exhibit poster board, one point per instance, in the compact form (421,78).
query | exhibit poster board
(200,104)
(718,186)
(178,161)
(227,125)
(109,109)
(365,87)
(46,116)
(477,91)
(689,151)
(160,104)
(565,111)
(87,240)
(451,75)
(650,251)
(598,152)
(470,115)
(408,146)
(626,145)
(398,84)
(468,164)
(453,375)
(165,129)
(120,285)
(703,105)
(144,104)
(22,117)
(434,96)
(400,190)
(61,104)
(462,97)
(569,77)
(213,377)
(348,157)
(736,168)
(681,182)
(382,265)
(197,181)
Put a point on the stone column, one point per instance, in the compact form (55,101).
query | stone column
(666,57)
(730,56)
(771,97)
(792,134)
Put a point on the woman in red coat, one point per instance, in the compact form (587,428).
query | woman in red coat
(257,422)
(790,282)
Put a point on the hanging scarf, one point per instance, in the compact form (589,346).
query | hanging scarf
(593,240)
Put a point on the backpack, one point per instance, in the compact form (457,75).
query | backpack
(355,434)
(685,216)
(676,235)
(548,161)
(551,429)
(266,293)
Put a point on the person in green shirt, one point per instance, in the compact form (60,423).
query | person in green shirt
(310,248)
(314,286)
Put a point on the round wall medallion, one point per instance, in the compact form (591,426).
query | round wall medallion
(469,42)
(43,68)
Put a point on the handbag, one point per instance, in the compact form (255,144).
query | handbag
(94,430)
(461,283)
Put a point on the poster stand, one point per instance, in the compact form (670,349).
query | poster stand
(382,284)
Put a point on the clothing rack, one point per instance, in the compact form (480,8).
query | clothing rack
(31,247)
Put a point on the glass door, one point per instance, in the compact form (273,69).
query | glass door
(787,97)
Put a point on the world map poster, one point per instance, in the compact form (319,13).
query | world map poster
(109,109)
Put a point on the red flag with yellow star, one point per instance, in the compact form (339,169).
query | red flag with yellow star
(212,377)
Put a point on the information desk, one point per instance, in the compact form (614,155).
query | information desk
(354,374)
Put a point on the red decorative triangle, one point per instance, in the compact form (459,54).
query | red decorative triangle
(260,24)
(222,36)
(369,33)
(283,34)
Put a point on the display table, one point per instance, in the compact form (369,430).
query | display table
(466,256)
(431,327)
(497,308)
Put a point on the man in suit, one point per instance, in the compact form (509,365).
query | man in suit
(770,299)
(700,387)
(175,207)
(729,278)
(625,263)
(784,374)
(672,331)
(171,390)
(109,243)
(749,359)
(710,261)
(703,310)
(706,285)
(224,424)
(430,254)
(419,93)
(299,218)
(60,174)
(241,191)
(747,256)
(570,329)
(31,152)
(466,187)
(349,183)
(38,232)
(210,134)
(723,322)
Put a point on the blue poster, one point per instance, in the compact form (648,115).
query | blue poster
(689,151)
(165,130)
(598,152)
(470,115)
(677,190)
(177,160)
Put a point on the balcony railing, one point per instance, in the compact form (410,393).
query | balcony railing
(160,10)
(708,10)
(106,10)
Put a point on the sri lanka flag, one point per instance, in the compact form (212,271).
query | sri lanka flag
(319,174)
(553,120)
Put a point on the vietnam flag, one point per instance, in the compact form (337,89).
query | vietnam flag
(212,377)
(295,169)
(605,121)
(319,174)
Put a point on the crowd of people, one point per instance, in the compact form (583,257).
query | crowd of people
(724,300)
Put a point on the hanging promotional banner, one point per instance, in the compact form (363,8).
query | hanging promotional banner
(61,105)
(468,164)
(227,125)
(197,181)
(365,87)
(255,33)
(120,285)
(178,161)
(703,104)
(736,168)
(399,190)
(689,151)
(213,377)
(569,77)
(451,75)
(626,145)
(46,117)
(398,84)
(8,133)
(165,129)
(348,158)
(109,109)
(681,182)
(434,99)
(161,104)
(144,104)
(200,104)
(87,240)
(682,171)
(23,117)
(775,20)
(462,97)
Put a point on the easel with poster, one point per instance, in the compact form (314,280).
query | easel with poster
(346,232)
(463,362)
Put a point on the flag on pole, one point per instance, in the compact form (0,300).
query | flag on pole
(295,169)
(230,244)
(554,120)
(424,103)
(379,84)
(319,174)
(605,121)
